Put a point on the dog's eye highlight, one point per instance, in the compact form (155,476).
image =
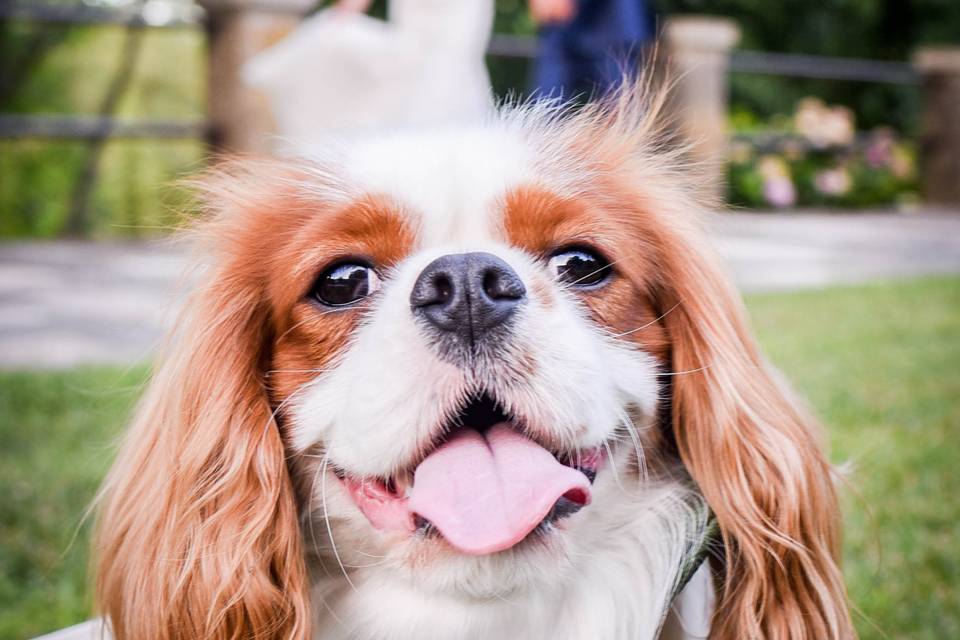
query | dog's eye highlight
(579,267)
(345,283)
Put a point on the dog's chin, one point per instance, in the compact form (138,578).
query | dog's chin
(537,562)
(429,564)
(485,509)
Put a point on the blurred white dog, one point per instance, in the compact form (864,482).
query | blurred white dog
(343,70)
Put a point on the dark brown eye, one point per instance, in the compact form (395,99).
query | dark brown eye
(579,267)
(345,283)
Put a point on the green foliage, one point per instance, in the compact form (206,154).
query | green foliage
(817,159)
(877,362)
(811,171)
(874,29)
(134,195)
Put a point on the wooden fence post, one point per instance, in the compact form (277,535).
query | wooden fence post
(239,116)
(697,58)
(939,68)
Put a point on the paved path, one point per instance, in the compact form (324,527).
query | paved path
(67,303)
(781,252)
(64,303)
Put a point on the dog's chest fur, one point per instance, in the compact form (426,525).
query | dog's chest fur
(619,590)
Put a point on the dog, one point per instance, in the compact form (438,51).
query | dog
(471,382)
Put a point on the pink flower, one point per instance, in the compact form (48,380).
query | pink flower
(832,182)
(879,151)
(779,191)
(824,126)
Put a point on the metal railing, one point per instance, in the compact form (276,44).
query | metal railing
(167,15)
(92,127)
(823,67)
(152,14)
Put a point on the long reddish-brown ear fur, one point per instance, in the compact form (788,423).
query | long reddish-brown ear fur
(198,532)
(757,458)
(751,448)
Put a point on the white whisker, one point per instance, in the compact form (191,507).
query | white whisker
(613,465)
(683,373)
(326,519)
(631,429)
(321,469)
(652,322)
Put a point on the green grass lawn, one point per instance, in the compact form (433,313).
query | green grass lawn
(880,363)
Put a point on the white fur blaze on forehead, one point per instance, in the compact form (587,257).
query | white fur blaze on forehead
(450,182)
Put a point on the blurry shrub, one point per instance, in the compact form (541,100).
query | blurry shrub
(888,30)
(136,194)
(817,161)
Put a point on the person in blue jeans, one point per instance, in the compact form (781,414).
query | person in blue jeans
(586,46)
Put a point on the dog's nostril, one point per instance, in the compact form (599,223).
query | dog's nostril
(501,284)
(443,287)
(496,288)
(490,284)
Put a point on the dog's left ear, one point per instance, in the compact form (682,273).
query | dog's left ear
(754,453)
(748,444)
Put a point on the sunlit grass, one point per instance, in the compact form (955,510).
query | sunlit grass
(881,365)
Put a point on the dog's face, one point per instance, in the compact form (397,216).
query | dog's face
(462,360)
(464,344)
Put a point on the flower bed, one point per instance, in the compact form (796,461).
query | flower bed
(818,159)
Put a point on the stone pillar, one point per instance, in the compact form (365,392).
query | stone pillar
(697,58)
(237,29)
(939,68)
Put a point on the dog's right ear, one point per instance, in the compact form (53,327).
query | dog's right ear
(198,532)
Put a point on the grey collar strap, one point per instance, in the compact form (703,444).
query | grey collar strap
(696,554)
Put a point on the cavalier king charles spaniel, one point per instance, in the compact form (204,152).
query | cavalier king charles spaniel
(469,382)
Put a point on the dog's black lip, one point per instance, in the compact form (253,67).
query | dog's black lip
(590,473)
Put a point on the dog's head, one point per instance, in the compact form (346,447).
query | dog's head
(435,349)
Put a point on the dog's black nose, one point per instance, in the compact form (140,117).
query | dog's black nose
(467,294)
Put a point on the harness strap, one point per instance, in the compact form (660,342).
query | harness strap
(695,557)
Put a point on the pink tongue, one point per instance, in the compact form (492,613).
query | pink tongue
(485,493)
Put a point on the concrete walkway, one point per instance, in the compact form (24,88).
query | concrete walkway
(63,304)
(782,252)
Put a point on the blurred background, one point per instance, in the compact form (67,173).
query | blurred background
(832,130)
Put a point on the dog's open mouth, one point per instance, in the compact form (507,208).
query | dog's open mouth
(484,489)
